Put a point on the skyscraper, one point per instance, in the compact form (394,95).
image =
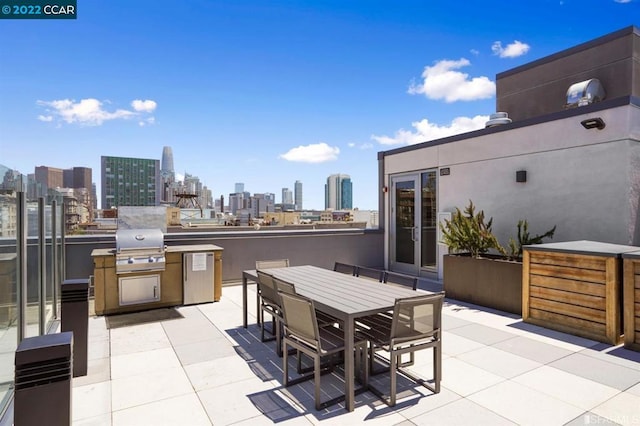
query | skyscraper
(338,192)
(297,194)
(130,182)
(167,172)
(239,187)
(287,196)
(167,175)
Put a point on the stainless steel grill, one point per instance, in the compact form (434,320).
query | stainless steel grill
(139,250)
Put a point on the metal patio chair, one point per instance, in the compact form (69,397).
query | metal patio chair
(401,279)
(415,325)
(276,263)
(344,268)
(269,304)
(372,273)
(302,332)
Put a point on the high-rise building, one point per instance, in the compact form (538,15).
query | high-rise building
(287,196)
(338,192)
(236,202)
(130,182)
(239,187)
(167,171)
(49,177)
(297,195)
(167,175)
(260,204)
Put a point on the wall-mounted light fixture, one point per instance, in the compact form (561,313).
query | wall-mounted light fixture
(593,123)
(521,176)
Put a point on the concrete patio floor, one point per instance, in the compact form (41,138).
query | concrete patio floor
(203,368)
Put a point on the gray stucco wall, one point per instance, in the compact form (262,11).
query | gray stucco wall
(587,182)
(241,249)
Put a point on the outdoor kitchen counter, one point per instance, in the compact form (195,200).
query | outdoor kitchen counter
(106,286)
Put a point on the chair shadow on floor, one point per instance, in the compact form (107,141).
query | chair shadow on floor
(285,403)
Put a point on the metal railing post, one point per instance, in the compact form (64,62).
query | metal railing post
(55,281)
(42,265)
(21,276)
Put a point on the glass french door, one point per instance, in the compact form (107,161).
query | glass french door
(413,222)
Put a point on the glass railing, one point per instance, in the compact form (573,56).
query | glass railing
(8,296)
(31,233)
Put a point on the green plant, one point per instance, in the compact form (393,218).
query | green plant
(524,238)
(468,232)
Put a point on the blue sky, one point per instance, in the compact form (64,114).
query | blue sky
(270,92)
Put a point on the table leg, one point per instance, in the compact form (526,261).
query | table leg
(349,386)
(244,301)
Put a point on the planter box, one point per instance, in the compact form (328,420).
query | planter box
(491,282)
(575,287)
(631,300)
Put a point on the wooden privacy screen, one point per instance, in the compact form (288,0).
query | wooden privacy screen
(576,293)
(632,300)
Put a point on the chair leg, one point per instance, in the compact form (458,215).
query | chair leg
(437,366)
(285,364)
(394,376)
(316,379)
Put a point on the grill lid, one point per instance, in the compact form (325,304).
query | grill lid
(139,250)
(139,240)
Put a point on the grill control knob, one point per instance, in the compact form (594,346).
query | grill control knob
(130,260)
(151,260)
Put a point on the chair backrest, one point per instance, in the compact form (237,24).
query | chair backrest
(344,268)
(417,317)
(276,263)
(300,318)
(267,288)
(284,286)
(376,274)
(401,279)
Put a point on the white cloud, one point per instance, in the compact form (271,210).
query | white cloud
(313,153)
(622,1)
(512,50)
(144,106)
(89,112)
(424,130)
(442,81)
(361,146)
(150,120)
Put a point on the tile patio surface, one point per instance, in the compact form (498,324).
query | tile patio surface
(203,368)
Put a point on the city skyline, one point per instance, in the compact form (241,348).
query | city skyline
(269,93)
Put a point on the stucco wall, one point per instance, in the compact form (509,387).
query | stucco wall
(587,182)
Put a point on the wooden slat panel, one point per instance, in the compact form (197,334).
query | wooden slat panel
(526,283)
(637,328)
(593,289)
(613,320)
(568,297)
(637,295)
(569,259)
(568,309)
(569,324)
(629,267)
(637,309)
(566,272)
(636,265)
(636,281)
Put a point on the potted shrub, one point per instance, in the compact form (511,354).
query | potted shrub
(478,269)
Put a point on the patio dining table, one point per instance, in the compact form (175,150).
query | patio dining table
(343,296)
